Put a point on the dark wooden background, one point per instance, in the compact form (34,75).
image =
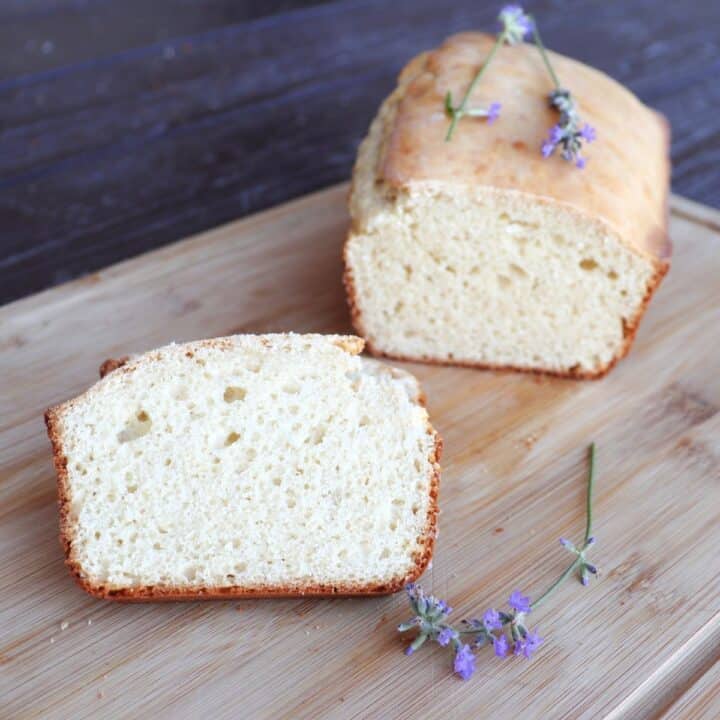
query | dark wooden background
(125,125)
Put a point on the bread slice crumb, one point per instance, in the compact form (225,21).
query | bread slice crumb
(247,466)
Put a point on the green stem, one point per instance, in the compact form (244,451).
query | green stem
(588,529)
(580,559)
(591,484)
(543,52)
(558,582)
(459,111)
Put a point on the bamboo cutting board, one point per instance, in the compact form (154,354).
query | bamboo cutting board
(641,641)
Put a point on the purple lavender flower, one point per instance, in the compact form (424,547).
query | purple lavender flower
(446,635)
(516,24)
(493,112)
(519,602)
(409,650)
(588,133)
(427,607)
(491,620)
(554,138)
(591,568)
(567,133)
(528,645)
(501,645)
(464,664)
(590,541)
(567,544)
(556,134)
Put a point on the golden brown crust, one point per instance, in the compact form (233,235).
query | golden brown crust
(168,593)
(624,183)
(110,365)
(60,462)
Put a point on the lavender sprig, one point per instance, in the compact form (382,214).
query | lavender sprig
(505,631)
(515,26)
(569,133)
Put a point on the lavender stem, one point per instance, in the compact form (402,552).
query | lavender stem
(459,111)
(543,52)
(588,529)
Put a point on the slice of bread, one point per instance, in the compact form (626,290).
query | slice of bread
(479,251)
(247,465)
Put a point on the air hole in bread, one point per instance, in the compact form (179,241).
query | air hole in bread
(135,428)
(318,434)
(588,264)
(190,573)
(232,438)
(234,394)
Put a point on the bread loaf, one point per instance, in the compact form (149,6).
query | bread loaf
(479,251)
(247,465)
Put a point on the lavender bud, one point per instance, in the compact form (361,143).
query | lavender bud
(516,24)
(567,544)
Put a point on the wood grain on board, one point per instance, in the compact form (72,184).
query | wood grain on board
(632,645)
(701,701)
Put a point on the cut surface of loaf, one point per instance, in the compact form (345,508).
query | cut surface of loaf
(247,465)
(480,251)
